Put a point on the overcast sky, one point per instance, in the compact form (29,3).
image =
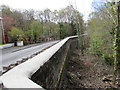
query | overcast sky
(84,6)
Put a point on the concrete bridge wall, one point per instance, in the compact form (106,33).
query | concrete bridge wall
(49,75)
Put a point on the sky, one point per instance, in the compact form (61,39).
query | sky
(84,6)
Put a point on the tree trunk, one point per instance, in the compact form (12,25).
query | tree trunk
(116,73)
(118,44)
(80,36)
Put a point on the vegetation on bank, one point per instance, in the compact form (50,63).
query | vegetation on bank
(101,29)
(104,33)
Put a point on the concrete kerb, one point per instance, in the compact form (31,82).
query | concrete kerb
(6,45)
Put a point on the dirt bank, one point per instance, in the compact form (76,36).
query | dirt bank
(86,71)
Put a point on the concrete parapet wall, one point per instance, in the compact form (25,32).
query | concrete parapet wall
(49,75)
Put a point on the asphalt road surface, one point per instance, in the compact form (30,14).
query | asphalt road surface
(13,54)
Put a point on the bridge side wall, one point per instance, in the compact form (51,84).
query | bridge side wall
(49,75)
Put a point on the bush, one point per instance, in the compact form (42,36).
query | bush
(101,39)
(16,34)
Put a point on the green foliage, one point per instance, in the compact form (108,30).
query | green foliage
(95,44)
(108,58)
(35,30)
(65,30)
(16,34)
(40,25)
(100,38)
(61,30)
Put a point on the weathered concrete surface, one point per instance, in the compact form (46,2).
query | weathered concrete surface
(49,75)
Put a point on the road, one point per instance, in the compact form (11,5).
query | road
(11,55)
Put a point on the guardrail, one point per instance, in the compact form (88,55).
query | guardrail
(19,77)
